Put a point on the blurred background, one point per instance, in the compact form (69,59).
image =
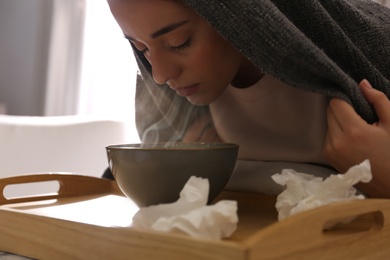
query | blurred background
(64,57)
(67,83)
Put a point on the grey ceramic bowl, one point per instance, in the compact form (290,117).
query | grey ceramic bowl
(151,174)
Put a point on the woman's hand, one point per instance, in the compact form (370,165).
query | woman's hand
(350,139)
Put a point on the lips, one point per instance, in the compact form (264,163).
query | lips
(187,91)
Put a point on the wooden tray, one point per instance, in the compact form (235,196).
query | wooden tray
(88,218)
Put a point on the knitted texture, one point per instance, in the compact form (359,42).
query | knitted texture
(323,46)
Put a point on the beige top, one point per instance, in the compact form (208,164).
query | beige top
(276,125)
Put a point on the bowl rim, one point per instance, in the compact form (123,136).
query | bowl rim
(161,146)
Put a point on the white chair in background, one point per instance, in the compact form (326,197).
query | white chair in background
(73,144)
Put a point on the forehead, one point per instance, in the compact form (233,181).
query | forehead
(138,18)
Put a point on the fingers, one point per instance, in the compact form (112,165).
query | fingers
(344,113)
(378,100)
(344,128)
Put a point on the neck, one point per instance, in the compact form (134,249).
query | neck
(247,75)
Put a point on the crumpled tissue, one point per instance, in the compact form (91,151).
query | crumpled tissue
(190,214)
(304,191)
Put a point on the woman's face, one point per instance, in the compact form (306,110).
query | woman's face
(183,50)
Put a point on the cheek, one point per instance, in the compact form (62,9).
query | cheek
(216,57)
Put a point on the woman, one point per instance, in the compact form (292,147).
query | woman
(280,78)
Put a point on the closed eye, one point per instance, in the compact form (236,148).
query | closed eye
(178,48)
(182,47)
(136,45)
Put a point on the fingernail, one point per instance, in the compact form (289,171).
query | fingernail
(366,84)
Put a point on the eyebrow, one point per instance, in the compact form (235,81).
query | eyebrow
(164,30)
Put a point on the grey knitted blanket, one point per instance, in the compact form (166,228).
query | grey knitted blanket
(324,46)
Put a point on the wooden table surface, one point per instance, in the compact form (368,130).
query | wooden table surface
(66,226)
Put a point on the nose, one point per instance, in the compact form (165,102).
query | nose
(164,68)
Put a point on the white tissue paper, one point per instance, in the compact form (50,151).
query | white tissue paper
(190,214)
(304,191)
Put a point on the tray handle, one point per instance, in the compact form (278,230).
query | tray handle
(70,185)
(308,229)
